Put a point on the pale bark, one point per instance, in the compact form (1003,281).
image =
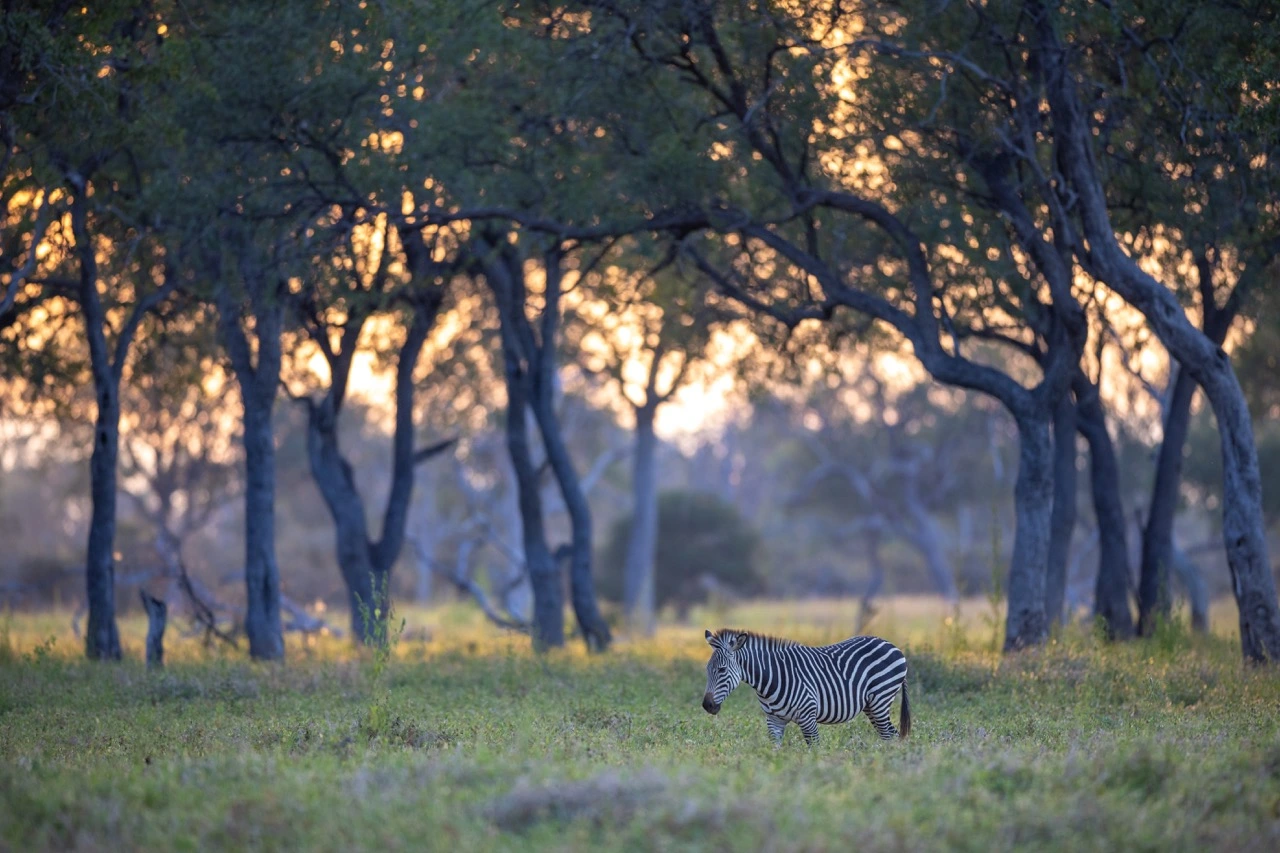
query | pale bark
(642,547)
(927,537)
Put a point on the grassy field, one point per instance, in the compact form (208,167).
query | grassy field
(463,740)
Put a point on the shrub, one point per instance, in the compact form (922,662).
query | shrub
(700,537)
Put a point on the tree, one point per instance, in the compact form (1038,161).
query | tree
(660,325)
(281,109)
(1090,217)
(837,240)
(890,476)
(336,322)
(178,453)
(530,361)
(75,120)
(254,353)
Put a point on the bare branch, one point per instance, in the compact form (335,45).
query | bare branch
(43,217)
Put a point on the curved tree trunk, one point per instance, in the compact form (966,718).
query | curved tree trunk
(1158,551)
(1063,521)
(1111,592)
(333,476)
(1243,525)
(519,356)
(638,579)
(366,565)
(1025,623)
(544,571)
(595,631)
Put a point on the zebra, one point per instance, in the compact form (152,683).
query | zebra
(809,685)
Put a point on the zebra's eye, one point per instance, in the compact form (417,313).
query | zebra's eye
(722,669)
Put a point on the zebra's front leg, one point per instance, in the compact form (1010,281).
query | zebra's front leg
(810,730)
(777,727)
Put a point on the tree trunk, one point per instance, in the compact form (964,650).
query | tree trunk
(875,580)
(1158,551)
(1243,524)
(333,476)
(519,356)
(541,382)
(102,638)
(1063,522)
(1025,624)
(1155,600)
(258,387)
(262,624)
(595,631)
(638,574)
(1111,592)
(366,565)
(544,571)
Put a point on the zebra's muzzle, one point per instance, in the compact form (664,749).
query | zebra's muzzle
(709,705)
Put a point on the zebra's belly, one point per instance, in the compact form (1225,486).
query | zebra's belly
(829,710)
(839,715)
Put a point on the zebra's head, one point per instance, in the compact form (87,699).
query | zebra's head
(724,673)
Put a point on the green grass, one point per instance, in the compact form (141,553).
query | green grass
(1165,744)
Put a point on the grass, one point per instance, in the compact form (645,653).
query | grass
(1165,744)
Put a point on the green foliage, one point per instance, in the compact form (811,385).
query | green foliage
(1121,746)
(382,640)
(698,534)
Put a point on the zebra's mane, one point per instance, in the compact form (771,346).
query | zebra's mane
(769,640)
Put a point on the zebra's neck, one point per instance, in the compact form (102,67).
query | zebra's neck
(753,658)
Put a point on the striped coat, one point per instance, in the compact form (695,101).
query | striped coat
(809,685)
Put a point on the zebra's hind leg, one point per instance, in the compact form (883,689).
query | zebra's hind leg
(877,712)
(810,730)
(777,727)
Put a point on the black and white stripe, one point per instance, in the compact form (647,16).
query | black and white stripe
(808,685)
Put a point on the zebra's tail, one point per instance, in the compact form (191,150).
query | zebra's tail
(904,718)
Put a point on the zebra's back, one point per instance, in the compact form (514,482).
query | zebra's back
(840,681)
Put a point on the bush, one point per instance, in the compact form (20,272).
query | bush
(700,536)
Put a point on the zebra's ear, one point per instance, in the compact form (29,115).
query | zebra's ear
(710,637)
(737,641)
